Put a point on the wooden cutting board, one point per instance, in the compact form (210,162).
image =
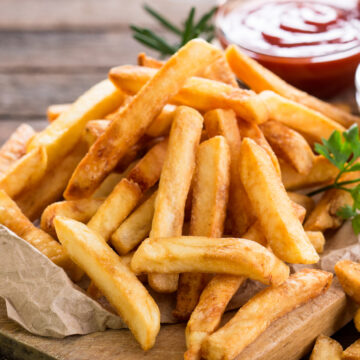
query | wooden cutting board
(290,338)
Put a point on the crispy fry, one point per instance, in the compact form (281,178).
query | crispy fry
(209,255)
(148,61)
(348,273)
(352,352)
(326,349)
(12,217)
(63,134)
(299,117)
(80,210)
(210,196)
(54,111)
(113,278)
(25,172)
(94,129)
(357,320)
(162,123)
(15,147)
(317,238)
(305,201)
(223,122)
(107,186)
(289,145)
(272,206)
(258,78)
(199,93)
(174,185)
(260,311)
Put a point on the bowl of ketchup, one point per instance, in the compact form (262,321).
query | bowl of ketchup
(312,44)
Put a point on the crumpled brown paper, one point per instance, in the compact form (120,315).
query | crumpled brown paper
(41,298)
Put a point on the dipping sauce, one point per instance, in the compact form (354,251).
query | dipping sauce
(314,45)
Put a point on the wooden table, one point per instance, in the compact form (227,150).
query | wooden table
(50,52)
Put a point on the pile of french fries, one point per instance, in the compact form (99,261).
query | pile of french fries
(170,174)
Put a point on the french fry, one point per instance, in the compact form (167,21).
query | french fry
(224,123)
(209,255)
(199,93)
(352,352)
(12,217)
(260,311)
(253,132)
(113,278)
(357,320)
(94,129)
(24,173)
(210,197)
(305,201)
(259,79)
(63,134)
(15,147)
(107,186)
(132,122)
(162,123)
(80,210)
(321,173)
(326,348)
(148,61)
(174,185)
(127,194)
(54,111)
(289,145)
(135,228)
(317,238)
(299,117)
(348,273)
(281,227)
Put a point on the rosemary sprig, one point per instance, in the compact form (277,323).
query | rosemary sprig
(190,30)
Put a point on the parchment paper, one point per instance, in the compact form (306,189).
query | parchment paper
(42,299)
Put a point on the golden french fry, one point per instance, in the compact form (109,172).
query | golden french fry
(80,210)
(260,311)
(174,185)
(317,238)
(162,123)
(63,134)
(259,78)
(112,277)
(278,220)
(305,201)
(135,228)
(132,122)
(253,132)
(107,186)
(289,145)
(209,255)
(94,129)
(54,111)
(210,196)
(299,117)
(352,352)
(348,273)
(127,194)
(326,348)
(357,320)
(223,122)
(15,147)
(148,61)
(25,172)
(12,217)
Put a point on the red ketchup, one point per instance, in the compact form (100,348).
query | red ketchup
(314,45)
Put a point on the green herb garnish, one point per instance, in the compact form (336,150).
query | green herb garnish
(190,30)
(343,150)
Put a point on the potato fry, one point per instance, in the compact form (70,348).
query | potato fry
(259,79)
(352,352)
(348,273)
(107,186)
(317,238)
(15,147)
(210,197)
(357,320)
(127,194)
(80,210)
(299,117)
(223,122)
(321,173)
(25,172)
(94,129)
(113,278)
(12,217)
(209,255)
(305,201)
(162,123)
(264,308)
(272,206)
(63,134)
(132,122)
(174,185)
(54,111)
(148,61)
(199,93)
(289,145)
(326,348)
